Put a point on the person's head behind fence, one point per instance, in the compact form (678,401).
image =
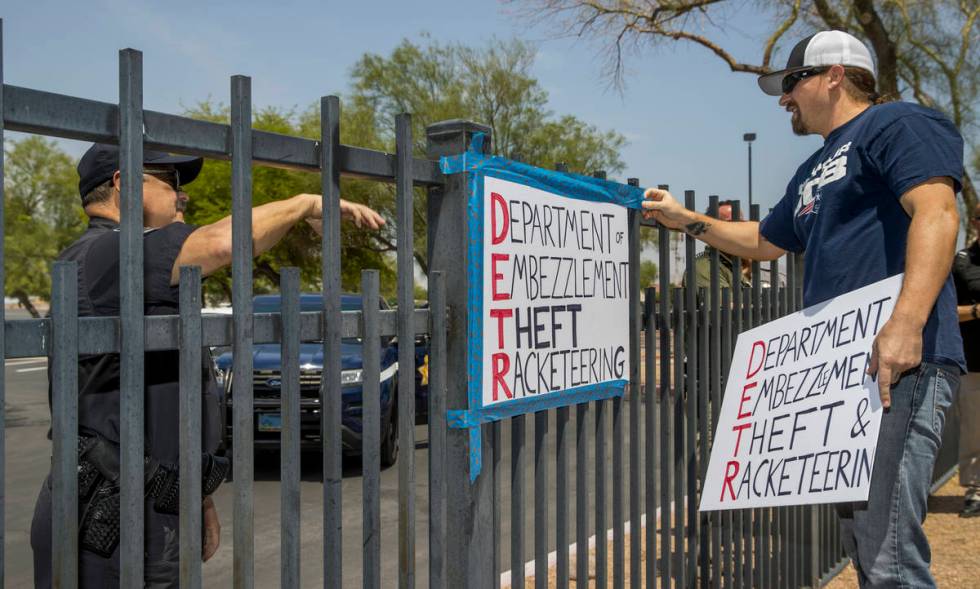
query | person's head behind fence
(163,176)
(725,209)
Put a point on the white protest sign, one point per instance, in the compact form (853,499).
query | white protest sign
(799,420)
(555,311)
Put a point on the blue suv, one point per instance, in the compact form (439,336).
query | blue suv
(267,383)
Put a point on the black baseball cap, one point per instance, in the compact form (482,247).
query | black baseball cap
(822,49)
(101,161)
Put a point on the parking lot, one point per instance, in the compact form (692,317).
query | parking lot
(28,457)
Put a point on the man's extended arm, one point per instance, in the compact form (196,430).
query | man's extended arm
(928,258)
(210,246)
(741,238)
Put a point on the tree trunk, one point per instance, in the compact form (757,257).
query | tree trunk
(265,269)
(225,286)
(422,262)
(25,301)
(881,44)
(969,205)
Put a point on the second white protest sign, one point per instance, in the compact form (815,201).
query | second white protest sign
(799,420)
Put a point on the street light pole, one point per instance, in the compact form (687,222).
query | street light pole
(749,138)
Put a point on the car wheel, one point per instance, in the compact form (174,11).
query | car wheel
(389,438)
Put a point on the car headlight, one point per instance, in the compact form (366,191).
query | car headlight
(351,376)
(221,376)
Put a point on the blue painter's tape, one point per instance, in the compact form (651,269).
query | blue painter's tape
(476,143)
(478,166)
(476,453)
(458,419)
(564,184)
(471,159)
(474,294)
(592,392)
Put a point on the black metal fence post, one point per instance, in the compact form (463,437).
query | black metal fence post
(437,432)
(190,427)
(371,416)
(635,319)
(64,424)
(289,467)
(241,276)
(131,315)
(469,516)
(330,390)
(405,212)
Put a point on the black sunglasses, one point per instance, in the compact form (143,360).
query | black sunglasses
(170,177)
(791,80)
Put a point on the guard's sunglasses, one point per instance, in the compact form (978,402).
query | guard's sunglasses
(170,177)
(791,80)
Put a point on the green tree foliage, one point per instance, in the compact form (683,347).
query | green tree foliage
(42,215)
(648,273)
(434,82)
(210,200)
(491,85)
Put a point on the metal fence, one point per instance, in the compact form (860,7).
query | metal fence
(637,460)
(660,442)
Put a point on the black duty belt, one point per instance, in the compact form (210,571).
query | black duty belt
(98,489)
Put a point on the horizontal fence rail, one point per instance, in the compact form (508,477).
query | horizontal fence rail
(100,335)
(57,115)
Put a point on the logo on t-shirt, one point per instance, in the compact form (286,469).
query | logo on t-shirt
(830,170)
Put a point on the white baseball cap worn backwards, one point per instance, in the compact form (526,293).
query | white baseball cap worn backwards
(822,49)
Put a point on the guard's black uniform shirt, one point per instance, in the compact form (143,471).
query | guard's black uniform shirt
(97,255)
(966,277)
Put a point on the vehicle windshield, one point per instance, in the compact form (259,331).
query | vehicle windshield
(272,304)
(308,303)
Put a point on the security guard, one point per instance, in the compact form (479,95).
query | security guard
(167,245)
(966,277)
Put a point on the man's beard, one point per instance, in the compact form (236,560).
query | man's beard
(796,120)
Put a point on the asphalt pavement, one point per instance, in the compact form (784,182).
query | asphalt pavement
(28,458)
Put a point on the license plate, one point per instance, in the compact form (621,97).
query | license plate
(270,422)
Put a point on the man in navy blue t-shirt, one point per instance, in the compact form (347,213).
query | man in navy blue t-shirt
(877,199)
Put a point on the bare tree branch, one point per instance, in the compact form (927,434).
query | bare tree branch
(951,73)
(930,46)
(965,35)
(778,33)
(913,78)
(829,15)
(734,64)
(882,44)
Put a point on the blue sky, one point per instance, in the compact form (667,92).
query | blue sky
(682,111)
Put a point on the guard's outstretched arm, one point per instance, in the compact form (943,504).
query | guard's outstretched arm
(210,246)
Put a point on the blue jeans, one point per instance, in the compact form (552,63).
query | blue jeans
(884,536)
